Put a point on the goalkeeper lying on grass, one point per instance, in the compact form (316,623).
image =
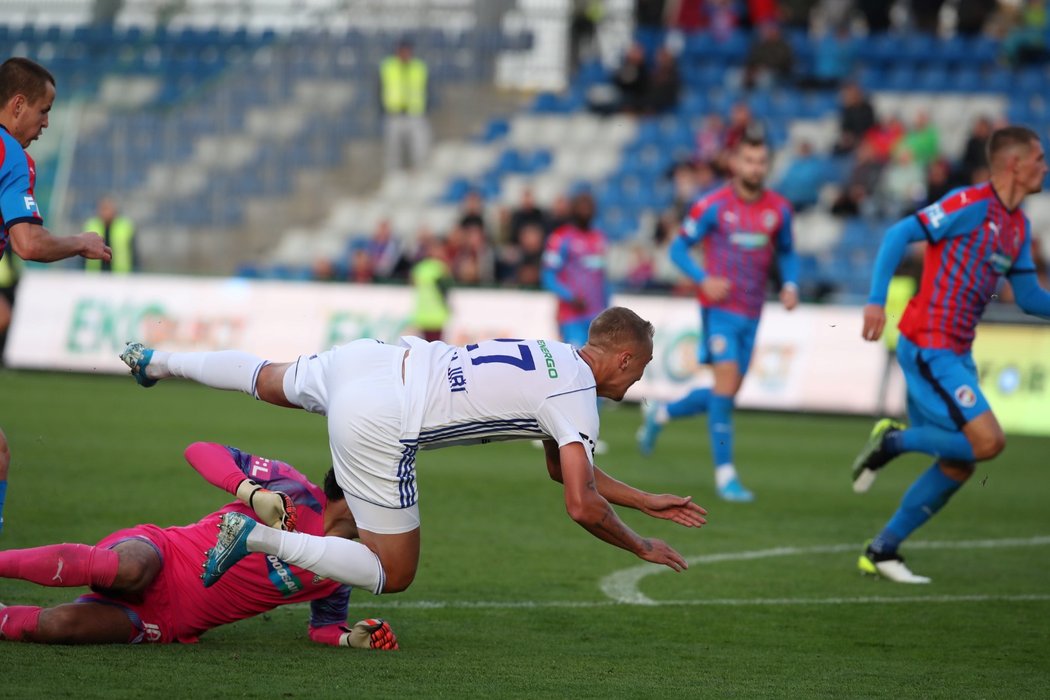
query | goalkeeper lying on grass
(145,580)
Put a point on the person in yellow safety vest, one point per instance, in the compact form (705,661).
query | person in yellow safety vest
(9,269)
(902,288)
(119,234)
(403,83)
(431,280)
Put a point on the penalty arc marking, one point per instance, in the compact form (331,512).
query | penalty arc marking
(623,586)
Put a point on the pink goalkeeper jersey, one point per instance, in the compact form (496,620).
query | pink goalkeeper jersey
(259,582)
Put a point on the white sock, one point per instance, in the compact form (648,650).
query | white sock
(336,558)
(232,370)
(724,473)
(662,417)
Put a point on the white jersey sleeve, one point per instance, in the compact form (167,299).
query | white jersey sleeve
(510,389)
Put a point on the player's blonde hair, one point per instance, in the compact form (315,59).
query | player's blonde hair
(618,326)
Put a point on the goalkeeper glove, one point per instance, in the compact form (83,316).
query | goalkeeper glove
(274,508)
(370,634)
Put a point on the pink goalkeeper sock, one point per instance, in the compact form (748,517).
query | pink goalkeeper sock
(17,622)
(61,565)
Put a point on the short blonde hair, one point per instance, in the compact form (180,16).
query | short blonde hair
(618,326)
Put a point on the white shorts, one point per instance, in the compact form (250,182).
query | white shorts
(360,388)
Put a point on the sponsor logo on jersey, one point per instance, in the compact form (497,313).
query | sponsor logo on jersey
(151,631)
(1000,262)
(30,202)
(965,396)
(457,380)
(933,214)
(548,358)
(282,577)
(769,219)
(748,240)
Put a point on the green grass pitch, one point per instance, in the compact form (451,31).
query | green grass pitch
(509,599)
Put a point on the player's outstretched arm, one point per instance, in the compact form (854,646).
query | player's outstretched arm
(34,242)
(218,467)
(679,509)
(365,634)
(894,244)
(588,508)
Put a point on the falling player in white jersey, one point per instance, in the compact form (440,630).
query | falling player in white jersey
(385,402)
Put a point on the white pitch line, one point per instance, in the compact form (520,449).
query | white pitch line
(714,602)
(623,586)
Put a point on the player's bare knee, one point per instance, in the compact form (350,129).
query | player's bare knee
(138,564)
(988,443)
(397,581)
(958,471)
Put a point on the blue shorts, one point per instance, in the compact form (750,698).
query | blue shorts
(943,388)
(726,337)
(575,332)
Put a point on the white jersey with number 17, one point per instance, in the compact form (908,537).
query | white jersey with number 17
(508,390)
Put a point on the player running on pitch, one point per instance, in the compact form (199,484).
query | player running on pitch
(975,236)
(27,91)
(385,402)
(146,579)
(741,227)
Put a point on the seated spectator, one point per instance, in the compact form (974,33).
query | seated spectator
(803,178)
(527,213)
(771,60)
(903,186)
(833,59)
(720,17)
(938,180)
(740,121)
(359,267)
(922,140)
(472,211)
(560,213)
(876,14)
(530,256)
(631,80)
(927,15)
(1025,41)
(863,180)
(641,270)
(664,83)
(973,15)
(475,262)
(884,137)
(856,117)
(384,251)
(975,153)
(710,139)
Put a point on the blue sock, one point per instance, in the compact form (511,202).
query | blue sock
(925,497)
(720,428)
(3,497)
(930,440)
(696,401)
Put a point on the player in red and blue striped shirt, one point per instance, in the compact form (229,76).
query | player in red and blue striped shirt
(975,236)
(741,228)
(27,91)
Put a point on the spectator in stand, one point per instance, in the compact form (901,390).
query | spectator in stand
(771,60)
(527,272)
(664,83)
(801,181)
(710,139)
(834,13)
(884,137)
(927,15)
(903,186)
(641,270)
(973,15)
(863,180)
(527,213)
(384,252)
(760,12)
(431,280)
(689,16)
(560,213)
(876,14)
(739,122)
(360,265)
(938,180)
(834,54)
(721,18)
(476,262)
(472,211)
(583,31)
(631,80)
(856,117)
(1025,42)
(922,140)
(975,153)
(403,84)
(650,21)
